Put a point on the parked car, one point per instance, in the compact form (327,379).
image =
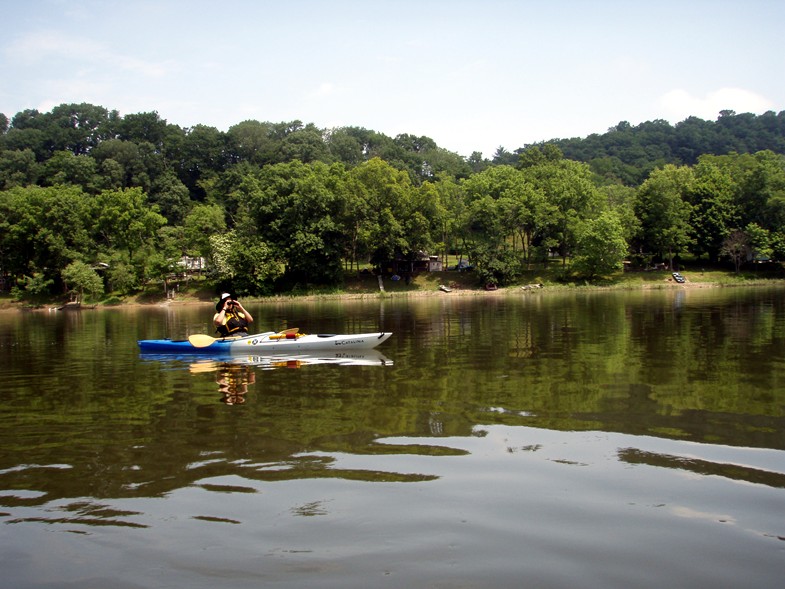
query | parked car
(462,266)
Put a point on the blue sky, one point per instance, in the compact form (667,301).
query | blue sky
(471,75)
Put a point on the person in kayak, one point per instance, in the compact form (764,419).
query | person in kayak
(231,318)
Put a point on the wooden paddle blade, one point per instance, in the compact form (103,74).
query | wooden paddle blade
(290,330)
(200,340)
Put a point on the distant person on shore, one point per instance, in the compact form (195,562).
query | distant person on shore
(231,318)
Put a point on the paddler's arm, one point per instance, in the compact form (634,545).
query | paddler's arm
(220,317)
(248,316)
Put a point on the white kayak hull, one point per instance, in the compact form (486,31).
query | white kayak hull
(268,343)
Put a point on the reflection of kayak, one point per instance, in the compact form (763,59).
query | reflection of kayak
(281,360)
(264,343)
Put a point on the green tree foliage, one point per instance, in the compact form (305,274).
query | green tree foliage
(66,168)
(622,200)
(759,241)
(600,247)
(121,275)
(18,168)
(202,222)
(569,189)
(244,264)
(143,128)
(251,142)
(80,277)
(295,208)
(388,194)
(171,197)
(255,267)
(487,193)
(42,230)
(81,183)
(304,144)
(664,211)
(713,209)
(129,159)
(629,153)
(123,219)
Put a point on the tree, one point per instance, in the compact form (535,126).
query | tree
(200,155)
(171,196)
(389,194)
(622,199)
(571,196)
(713,211)
(143,127)
(476,162)
(129,157)
(200,224)
(344,147)
(736,246)
(18,168)
(451,234)
(664,212)
(252,142)
(296,209)
(600,247)
(305,145)
(78,277)
(498,198)
(162,261)
(244,265)
(123,219)
(121,275)
(66,168)
(255,267)
(759,241)
(77,128)
(32,139)
(42,230)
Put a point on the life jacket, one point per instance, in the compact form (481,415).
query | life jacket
(235,324)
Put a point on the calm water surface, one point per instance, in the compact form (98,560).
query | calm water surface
(527,440)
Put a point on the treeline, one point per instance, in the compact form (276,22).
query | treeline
(91,200)
(628,153)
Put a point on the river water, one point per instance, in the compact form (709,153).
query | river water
(533,439)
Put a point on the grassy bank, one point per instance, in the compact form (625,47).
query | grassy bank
(363,285)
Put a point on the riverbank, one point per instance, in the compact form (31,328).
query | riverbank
(442,284)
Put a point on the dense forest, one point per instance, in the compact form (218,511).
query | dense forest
(94,201)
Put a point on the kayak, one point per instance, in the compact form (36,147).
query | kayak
(264,343)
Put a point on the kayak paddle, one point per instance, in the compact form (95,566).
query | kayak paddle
(200,340)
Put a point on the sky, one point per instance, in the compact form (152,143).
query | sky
(473,75)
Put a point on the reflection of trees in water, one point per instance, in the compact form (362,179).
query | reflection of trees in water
(636,363)
(737,472)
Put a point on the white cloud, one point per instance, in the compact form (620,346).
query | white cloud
(680,104)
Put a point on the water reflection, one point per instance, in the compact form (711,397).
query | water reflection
(233,381)
(737,472)
(510,435)
(339,358)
